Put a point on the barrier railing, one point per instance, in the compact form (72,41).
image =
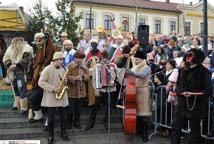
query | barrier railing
(163,113)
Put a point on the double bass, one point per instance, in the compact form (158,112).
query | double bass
(130,105)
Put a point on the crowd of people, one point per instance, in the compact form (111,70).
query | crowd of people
(65,78)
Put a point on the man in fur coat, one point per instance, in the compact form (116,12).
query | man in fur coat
(44,54)
(142,73)
(16,59)
(193,90)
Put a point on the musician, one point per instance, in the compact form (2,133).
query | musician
(77,77)
(68,52)
(84,44)
(50,81)
(92,58)
(193,89)
(142,73)
(59,45)
(102,94)
(16,59)
(116,49)
(44,53)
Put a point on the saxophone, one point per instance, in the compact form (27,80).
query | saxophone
(63,87)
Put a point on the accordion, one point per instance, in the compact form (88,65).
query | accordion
(101,76)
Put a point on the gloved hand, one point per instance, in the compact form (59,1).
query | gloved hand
(129,72)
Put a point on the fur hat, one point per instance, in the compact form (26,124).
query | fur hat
(58,55)
(126,49)
(39,35)
(198,55)
(67,42)
(79,55)
(140,54)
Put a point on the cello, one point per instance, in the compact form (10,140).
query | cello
(130,105)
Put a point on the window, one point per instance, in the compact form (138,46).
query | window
(107,22)
(89,21)
(172,26)
(157,26)
(125,23)
(187,28)
(142,21)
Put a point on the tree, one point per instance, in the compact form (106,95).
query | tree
(40,18)
(67,21)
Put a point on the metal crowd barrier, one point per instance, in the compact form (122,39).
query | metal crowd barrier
(163,113)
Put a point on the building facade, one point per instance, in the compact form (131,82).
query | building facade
(162,17)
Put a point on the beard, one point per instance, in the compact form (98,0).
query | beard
(18,48)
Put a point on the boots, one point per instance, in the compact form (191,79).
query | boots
(23,106)
(91,122)
(69,121)
(50,133)
(16,104)
(144,121)
(38,117)
(63,134)
(77,120)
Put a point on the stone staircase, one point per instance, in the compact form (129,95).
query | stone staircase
(15,126)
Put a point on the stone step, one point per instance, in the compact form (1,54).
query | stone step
(30,133)
(11,123)
(7,113)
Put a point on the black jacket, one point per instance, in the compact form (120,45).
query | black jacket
(197,79)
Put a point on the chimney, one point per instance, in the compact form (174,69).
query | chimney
(190,3)
(167,1)
(21,9)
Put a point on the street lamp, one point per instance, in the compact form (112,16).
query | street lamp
(90,11)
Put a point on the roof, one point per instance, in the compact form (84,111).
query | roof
(146,4)
(11,18)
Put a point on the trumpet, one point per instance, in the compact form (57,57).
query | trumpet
(63,87)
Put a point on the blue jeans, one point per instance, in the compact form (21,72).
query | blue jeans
(20,85)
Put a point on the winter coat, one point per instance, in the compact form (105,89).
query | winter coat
(142,72)
(49,79)
(197,79)
(77,89)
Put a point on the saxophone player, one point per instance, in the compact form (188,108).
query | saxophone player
(78,74)
(50,81)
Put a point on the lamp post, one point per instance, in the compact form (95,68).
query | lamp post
(90,11)
(205,31)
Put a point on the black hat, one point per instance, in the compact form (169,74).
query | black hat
(198,55)
(126,49)
(140,54)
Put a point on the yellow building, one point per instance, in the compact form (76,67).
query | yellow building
(191,18)
(162,17)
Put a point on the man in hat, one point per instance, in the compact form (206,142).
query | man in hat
(44,54)
(50,81)
(193,89)
(91,60)
(77,76)
(16,59)
(84,44)
(59,45)
(142,73)
(102,93)
(68,52)
(116,49)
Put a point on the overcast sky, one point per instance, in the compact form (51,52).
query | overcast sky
(27,4)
